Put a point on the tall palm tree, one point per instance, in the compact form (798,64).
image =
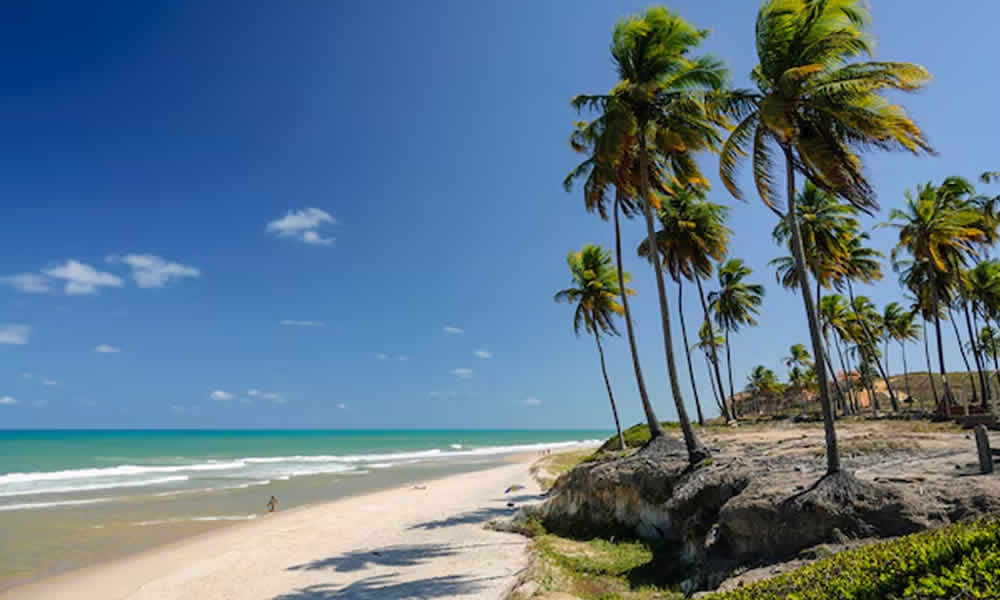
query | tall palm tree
(735,303)
(833,313)
(983,287)
(709,343)
(862,263)
(901,327)
(669,101)
(819,108)
(612,162)
(595,293)
(693,235)
(940,236)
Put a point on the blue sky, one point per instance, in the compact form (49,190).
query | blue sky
(332,214)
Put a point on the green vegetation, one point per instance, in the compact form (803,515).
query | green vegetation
(598,569)
(635,436)
(960,561)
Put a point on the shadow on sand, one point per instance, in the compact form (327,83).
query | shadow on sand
(383,587)
(480,515)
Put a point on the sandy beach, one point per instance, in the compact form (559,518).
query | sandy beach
(415,541)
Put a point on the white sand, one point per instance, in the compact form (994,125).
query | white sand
(394,544)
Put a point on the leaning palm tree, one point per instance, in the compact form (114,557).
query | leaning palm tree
(595,293)
(983,285)
(901,327)
(735,303)
(693,235)
(833,315)
(667,100)
(710,343)
(820,109)
(613,162)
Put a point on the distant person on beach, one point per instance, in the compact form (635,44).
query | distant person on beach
(272,504)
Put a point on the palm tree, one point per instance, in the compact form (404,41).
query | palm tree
(901,327)
(865,327)
(595,292)
(820,109)
(862,263)
(667,100)
(983,287)
(735,304)
(940,236)
(833,313)
(612,162)
(693,236)
(709,343)
(799,363)
(763,383)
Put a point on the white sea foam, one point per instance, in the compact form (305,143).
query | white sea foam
(119,471)
(455,446)
(187,519)
(37,488)
(37,505)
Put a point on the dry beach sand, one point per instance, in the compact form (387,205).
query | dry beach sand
(417,541)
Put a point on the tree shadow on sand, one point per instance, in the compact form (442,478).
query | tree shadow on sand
(391,556)
(382,587)
(481,515)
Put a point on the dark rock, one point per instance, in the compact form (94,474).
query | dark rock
(757,526)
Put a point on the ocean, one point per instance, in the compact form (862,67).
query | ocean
(70,498)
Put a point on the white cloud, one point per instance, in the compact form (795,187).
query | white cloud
(382,356)
(29,283)
(303,225)
(255,393)
(531,401)
(293,323)
(220,395)
(341,406)
(151,271)
(453,330)
(403,357)
(106,349)
(82,278)
(13,333)
(49,383)
(462,373)
(7,400)
(483,353)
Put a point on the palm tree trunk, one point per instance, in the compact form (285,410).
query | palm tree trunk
(847,375)
(687,350)
(729,367)
(696,450)
(715,392)
(975,355)
(906,372)
(874,345)
(727,407)
(930,371)
(832,455)
(836,384)
(996,356)
(965,357)
(611,396)
(948,398)
(654,425)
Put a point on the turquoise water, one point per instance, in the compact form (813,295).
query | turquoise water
(72,498)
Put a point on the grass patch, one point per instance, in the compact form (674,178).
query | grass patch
(959,561)
(635,436)
(548,468)
(598,569)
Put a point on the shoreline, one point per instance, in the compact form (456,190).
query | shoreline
(451,509)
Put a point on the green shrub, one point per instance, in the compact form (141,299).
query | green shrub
(959,561)
(635,436)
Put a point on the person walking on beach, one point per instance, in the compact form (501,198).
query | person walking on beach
(272,504)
